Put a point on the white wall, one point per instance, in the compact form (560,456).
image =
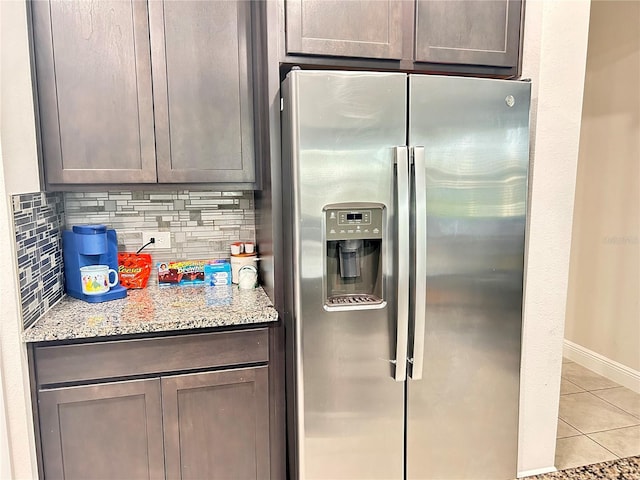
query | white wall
(5,457)
(603,312)
(18,174)
(16,113)
(17,447)
(555,45)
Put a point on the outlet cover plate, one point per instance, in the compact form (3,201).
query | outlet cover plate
(163,239)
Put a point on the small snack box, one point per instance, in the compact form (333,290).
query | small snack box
(217,272)
(183,273)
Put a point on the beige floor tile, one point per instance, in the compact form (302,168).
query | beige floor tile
(624,442)
(565,430)
(589,414)
(578,451)
(585,378)
(567,387)
(623,398)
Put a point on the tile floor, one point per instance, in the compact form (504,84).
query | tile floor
(598,420)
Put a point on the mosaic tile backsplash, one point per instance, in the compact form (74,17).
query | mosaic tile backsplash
(38,219)
(202,223)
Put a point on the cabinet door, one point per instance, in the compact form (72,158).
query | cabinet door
(111,430)
(353,28)
(203,99)
(93,71)
(468,32)
(216,424)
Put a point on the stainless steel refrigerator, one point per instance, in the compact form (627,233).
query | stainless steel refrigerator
(404,213)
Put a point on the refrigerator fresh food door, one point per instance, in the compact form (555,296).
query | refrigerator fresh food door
(341,133)
(470,144)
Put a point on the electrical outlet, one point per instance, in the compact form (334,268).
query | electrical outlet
(162,239)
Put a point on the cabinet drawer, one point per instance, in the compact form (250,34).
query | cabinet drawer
(123,358)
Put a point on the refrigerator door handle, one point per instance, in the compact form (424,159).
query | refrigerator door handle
(420,280)
(402,249)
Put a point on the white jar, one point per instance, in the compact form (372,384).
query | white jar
(239,261)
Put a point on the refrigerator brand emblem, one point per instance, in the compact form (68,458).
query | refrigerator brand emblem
(510,101)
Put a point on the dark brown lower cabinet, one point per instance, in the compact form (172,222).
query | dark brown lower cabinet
(111,430)
(228,411)
(218,422)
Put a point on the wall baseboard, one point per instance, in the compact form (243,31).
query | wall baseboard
(537,471)
(625,376)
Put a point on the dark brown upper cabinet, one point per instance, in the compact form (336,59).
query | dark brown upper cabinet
(202,90)
(357,28)
(469,32)
(448,36)
(135,92)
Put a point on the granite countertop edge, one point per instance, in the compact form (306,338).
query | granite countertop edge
(150,310)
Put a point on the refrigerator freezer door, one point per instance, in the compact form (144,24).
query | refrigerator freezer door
(462,415)
(350,410)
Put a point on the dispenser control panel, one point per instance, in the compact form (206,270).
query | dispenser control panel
(360,217)
(358,222)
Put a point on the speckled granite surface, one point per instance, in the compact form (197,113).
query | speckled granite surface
(623,469)
(153,309)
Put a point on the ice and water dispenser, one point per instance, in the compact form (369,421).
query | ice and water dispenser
(353,264)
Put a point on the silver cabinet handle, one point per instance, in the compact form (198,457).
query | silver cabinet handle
(420,280)
(402,332)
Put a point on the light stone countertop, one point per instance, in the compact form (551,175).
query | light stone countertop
(153,309)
